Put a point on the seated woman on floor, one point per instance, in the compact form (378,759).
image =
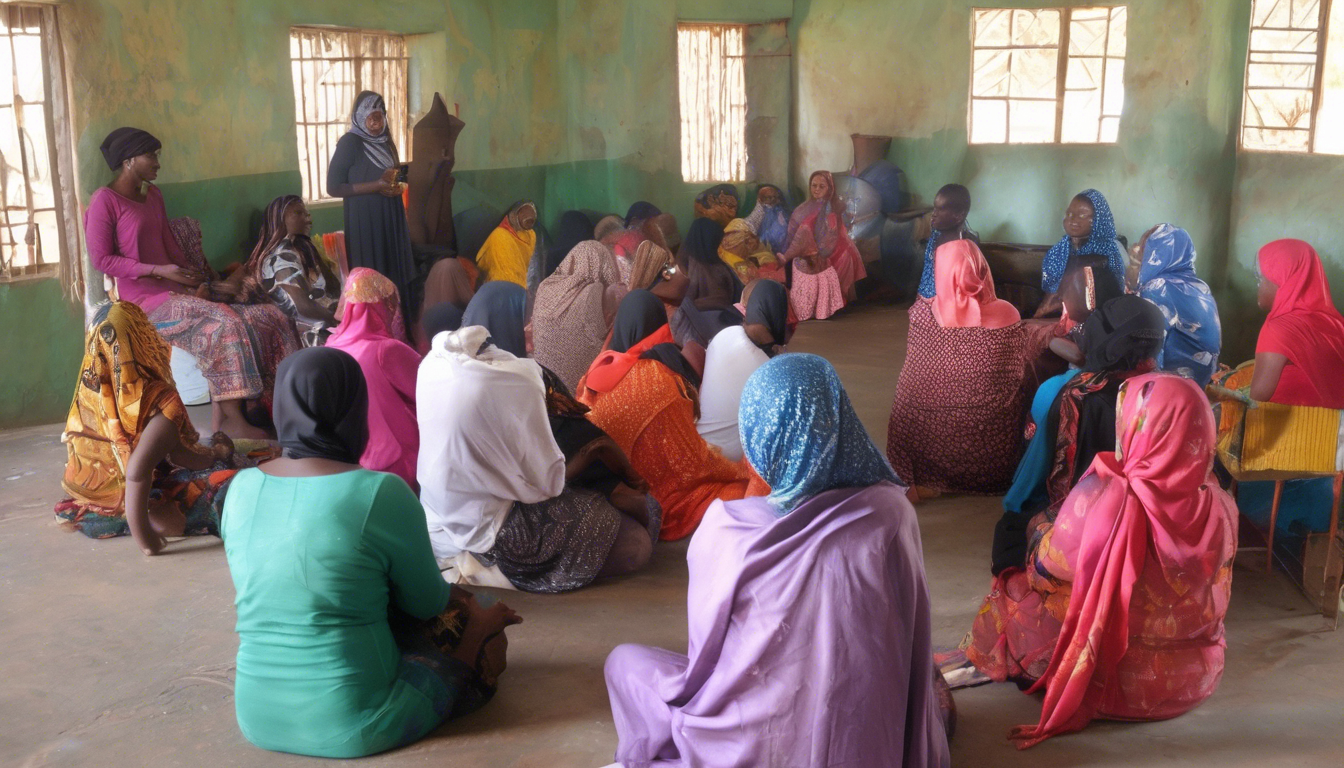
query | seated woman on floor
(449,282)
(237,346)
(956,420)
(642,392)
(815,291)
(286,268)
(1167,278)
(1089,229)
(743,251)
(501,307)
(573,311)
(770,218)
(573,228)
(1073,417)
(794,640)
(1118,612)
(1085,287)
(507,252)
(733,356)
(350,642)
(125,422)
(707,307)
(947,222)
(822,215)
(371,331)
(718,204)
(496,485)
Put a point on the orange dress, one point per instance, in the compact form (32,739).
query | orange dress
(651,415)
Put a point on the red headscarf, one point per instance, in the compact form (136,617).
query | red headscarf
(965,295)
(1158,500)
(1303,326)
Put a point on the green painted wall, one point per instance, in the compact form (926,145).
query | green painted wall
(903,69)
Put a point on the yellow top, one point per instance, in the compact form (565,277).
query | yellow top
(505,255)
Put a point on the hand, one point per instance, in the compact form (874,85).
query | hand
(492,620)
(390,186)
(636,481)
(181,275)
(225,290)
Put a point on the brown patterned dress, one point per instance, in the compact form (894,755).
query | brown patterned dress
(956,422)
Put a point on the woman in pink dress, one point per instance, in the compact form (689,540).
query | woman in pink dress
(371,331)
(237,346)
(1119,611)
(821,214)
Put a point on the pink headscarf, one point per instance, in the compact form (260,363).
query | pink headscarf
(965,289)
(1157,496)
(371,332)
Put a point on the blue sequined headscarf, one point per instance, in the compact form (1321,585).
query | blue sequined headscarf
(1100,243)
(801,435)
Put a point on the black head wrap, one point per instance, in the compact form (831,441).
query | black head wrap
(124,143)
(702,242)
(574,228)
(321,405)
(768,305)
(639,316)
(444,316)
(640,211)
(501,308)
(1125,332)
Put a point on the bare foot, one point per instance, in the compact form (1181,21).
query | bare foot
(239,429)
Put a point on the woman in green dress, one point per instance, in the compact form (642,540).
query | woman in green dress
(350,641)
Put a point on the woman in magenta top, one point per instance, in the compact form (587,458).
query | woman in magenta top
(236,346)
(1299,357)
(371,331)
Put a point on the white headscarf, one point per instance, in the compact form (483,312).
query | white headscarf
(379,149)
(485,440)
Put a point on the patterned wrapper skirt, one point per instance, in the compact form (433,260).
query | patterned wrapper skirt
(237,346)
(559,544)
(816,296)
(198,494)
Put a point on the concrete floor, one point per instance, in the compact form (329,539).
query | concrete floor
(111,659)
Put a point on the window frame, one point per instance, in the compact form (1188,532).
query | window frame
(745,165)
(1317,86)
(54,99)
(399,107)
(1061,75)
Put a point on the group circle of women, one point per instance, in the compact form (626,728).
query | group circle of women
(552,410)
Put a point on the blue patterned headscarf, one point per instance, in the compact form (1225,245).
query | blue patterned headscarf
(801,435)
(1101,242)
(1167,278)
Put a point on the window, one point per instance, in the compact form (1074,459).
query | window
(713,101)
(330,67)
(1295,77)
(1021,91)
(33,230)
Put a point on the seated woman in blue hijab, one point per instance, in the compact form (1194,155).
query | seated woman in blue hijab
(1089,230)
(1167,278)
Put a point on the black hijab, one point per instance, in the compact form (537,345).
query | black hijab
(124,143)
(640,211)
(768,305)
(500,306)
(1123,333)
(641,314)
(702,242)
(444,316)
(574,228)
(321,405)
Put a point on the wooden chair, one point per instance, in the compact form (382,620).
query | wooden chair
(1269,441)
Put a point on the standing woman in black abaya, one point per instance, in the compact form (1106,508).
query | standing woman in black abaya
(363,172)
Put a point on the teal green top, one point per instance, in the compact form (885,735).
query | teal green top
(315,561)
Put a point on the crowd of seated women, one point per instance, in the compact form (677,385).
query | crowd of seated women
(550,412)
